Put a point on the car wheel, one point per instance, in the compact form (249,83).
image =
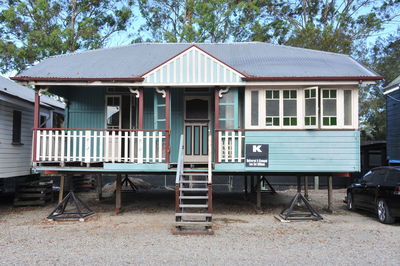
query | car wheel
(383,212)
(350,205)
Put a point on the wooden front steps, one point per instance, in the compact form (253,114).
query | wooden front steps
(194,203)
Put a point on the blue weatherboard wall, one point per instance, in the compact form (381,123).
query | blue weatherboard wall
(86,107)
(309,151)
(393,127)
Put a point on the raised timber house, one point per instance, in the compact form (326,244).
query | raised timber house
(127,108)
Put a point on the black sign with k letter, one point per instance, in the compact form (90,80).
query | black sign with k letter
(257,155)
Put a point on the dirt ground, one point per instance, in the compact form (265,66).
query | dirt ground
(141,234)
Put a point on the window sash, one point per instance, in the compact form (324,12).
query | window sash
(329,120)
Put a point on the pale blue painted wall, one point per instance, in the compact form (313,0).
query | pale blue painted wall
(309,151)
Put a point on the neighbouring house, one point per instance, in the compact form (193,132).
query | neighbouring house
(240,108)
(16,127)
(392,92)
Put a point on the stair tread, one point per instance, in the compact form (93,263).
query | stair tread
(193,205)
(193,197)
(194,174)
(193,223)
(194,181)
(193,214)
(193,189)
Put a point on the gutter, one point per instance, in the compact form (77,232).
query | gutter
(325,78)
(133,79)
(391,90)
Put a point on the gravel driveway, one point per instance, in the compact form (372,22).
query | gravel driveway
(142,235)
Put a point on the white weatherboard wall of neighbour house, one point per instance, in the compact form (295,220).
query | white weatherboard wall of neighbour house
(193,67)
(15,160)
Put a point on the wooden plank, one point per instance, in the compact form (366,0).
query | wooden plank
(153,136)
(160,144)
(50,147)
(140,147)
(44,148)
(80,158)
(61,193)
(87,146)
(62,141)
(56,146)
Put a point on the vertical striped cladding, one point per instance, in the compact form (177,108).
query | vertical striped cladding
(309,151)
(86,107)
(393,126)
(149,95)
(177,114)
(193,67)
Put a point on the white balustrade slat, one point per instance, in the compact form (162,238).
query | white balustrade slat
(101,151)
(153,159)
(38,144)
(226,150)
(220,146)
(68,145)
(62,143)
(56,146)
(87,146)
(80,158)
(44,148)
(160,144)
(126,156)
(132,147)
(147,153)
(140,147)
(75,143)
(113,146)
(106,146)
(50,147)
(239,146)
(119,146)
(94,152)
(233,156)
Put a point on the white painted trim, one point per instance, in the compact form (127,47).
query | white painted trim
(175,84)
(301,108)
(391,90)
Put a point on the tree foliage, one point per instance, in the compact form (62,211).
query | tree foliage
(31,30)
(385,60)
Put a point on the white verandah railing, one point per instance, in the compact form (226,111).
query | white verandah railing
(231,146)
(100,145)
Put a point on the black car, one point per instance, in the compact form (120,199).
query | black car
(377,191)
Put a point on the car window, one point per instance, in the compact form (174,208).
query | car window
(379,176)
(393,178)
(368,177)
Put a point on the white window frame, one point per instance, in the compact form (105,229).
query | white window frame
(264,113)
(316,108)
(301,108)
(339,112)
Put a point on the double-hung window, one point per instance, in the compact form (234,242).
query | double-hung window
(329,107)
(311,107)
(290,108)
(272,108)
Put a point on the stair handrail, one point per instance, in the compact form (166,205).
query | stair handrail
(209,158)
(179,169)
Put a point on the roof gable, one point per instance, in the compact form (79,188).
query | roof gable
(193,66)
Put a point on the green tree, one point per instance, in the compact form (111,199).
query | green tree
(197,20)
(385,60)
(327,25)
(31,30)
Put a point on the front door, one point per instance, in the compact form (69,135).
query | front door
(197,124)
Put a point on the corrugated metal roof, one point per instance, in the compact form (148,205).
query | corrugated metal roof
(11,88)
(255,59)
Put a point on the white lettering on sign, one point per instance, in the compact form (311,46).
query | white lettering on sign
(257,148)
